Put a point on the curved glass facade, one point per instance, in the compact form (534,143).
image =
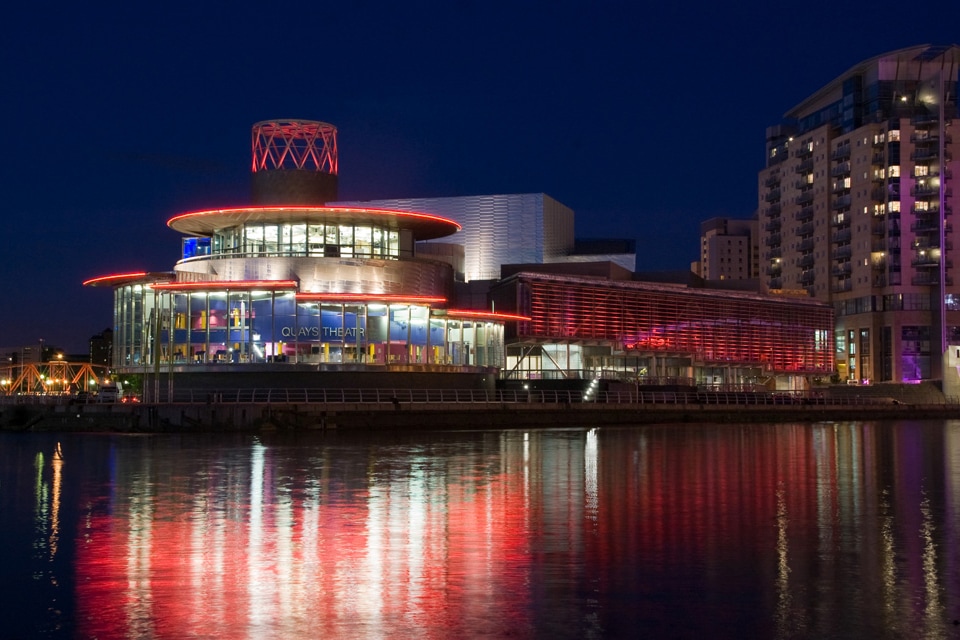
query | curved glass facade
(273,326)
(269,239)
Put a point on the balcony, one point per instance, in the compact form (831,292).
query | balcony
(878,227)
(803,151)
(842,235)
(929,278)
(773,180)
(804,198)
(773,210)
(929,226)
(842,252)
(839,188)
(842,152)
(926,191)
(773,225)
(924,121)
(807,278)
(842,270)
(878,194)
(879,280)
(772,240)
(772,196)
(878,243)
(842,169)
(806,261)
(878,157)
(925,242)
(804,214)
(925,262)
(805,229)
(842,286)
(841,202)
(807,244)
(925,136)
(806,166)
(880,264)
(774,270)
(923,154)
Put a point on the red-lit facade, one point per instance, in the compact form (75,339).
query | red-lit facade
(651,330)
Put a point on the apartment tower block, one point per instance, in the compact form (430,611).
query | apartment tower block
(856,205)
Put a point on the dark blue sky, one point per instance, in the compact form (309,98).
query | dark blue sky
(644,120)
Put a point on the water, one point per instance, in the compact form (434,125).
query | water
(829,530)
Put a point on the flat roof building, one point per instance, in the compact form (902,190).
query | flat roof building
(857,202)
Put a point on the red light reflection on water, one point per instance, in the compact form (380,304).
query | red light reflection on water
(426,558)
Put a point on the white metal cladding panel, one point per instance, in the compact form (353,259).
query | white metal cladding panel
(497,229)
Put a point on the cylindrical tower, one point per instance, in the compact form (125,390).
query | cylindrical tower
(294,162)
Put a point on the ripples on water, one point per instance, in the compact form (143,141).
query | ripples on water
(788,531)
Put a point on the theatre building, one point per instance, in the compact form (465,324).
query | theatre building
(299,290)
(279,292)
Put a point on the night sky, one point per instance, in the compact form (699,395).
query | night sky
(644,118)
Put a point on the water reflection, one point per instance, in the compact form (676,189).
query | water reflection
(826,530)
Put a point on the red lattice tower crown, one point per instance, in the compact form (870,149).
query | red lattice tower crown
(295,144)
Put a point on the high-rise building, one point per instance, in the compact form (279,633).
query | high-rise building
(856,206)
(729,249)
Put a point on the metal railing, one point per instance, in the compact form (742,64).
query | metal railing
(480,396)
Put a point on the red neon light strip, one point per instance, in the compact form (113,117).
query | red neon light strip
(369,297)
(229,284)
(484,314)
(117,276)
(239,210)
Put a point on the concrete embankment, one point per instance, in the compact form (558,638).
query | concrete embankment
(160,418)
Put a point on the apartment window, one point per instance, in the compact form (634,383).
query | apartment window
(893,171)
(893,135)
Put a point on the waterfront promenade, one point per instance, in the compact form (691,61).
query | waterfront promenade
(351,409)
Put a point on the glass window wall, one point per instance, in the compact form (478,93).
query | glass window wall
(301,239)
(241,326)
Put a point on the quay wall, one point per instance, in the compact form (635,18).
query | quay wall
(180,418)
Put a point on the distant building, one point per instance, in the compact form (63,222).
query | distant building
(856,203)
(729,249)
(101,348)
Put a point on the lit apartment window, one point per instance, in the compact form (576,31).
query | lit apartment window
(894,135)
